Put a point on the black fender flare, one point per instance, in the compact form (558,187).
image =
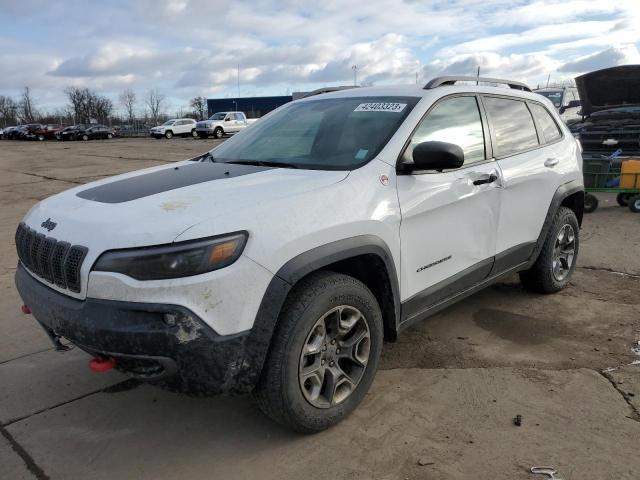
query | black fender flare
(259,337)
(564,191)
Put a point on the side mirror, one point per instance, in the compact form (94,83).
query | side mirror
(561,110)
(227,119)
(573,104)
(436,156)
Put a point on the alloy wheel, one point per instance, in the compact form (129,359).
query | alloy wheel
(334,356)
(564,252)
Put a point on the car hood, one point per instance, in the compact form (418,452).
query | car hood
(154,206)
(609,88)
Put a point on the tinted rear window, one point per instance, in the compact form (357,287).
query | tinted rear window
(512,126)
(549,127)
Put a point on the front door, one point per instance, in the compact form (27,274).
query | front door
(449,219)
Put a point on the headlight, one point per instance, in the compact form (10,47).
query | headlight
(175,260)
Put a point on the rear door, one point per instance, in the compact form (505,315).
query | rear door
(449,218)
(528,164)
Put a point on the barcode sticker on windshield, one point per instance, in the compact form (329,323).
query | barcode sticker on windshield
(380,107)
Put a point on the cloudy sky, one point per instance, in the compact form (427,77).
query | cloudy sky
(186,48)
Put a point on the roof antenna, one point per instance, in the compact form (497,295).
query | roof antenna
(478,76)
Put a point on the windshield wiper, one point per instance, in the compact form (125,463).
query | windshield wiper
(263,163)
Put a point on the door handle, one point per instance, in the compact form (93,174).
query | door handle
(551,162)
(487,178)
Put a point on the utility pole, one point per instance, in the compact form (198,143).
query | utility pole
(548,78)
(416,78)
(238,87)
(355,75)
(478,76)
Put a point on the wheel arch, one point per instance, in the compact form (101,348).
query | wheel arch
(570,195)
(365,257)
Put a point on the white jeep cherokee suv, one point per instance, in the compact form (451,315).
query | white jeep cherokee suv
(278,262)
(176,126)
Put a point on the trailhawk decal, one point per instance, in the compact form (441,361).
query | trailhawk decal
(381,107)
(433,264)
(133,188)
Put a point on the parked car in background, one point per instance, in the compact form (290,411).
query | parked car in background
(223,123)
(566,100)
(15,133)
(42,132)
(87,132)
(176,126)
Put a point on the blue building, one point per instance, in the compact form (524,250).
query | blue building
(253,107)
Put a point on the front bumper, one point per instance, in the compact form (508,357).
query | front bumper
(180,350)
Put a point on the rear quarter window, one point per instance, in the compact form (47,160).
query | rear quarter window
(512,124)
(550,130)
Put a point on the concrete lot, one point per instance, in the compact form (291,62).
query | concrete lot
(441,406)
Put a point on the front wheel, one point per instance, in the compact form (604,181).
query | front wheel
(109,136)
(168,135)
(323,355)
(557,260)
(634,204)
(40,138)
(85,137)
(218,133)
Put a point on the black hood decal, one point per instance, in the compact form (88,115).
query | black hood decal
(164,180)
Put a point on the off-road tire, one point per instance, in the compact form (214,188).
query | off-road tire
(590,203)
(540,278)
(218,133)
(278,393)
(634,204)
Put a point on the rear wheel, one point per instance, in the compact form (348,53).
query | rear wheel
(557,260)
(168,134)
(194,134)
(218,133)
(41,137)
(590,203)
(623,199)
(109,136)
(323,355)
(85,137)
(634,204)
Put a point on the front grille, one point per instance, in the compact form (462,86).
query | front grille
(628,138)
(56,262)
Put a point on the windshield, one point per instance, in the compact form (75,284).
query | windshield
(331,134)
(217,116)
(168,123)
(554,95)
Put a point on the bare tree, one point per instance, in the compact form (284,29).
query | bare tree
(8,111)
(87,105)
(154,102)
(128,101)
(27,111)
(199,107)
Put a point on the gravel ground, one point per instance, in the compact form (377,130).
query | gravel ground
(441,406)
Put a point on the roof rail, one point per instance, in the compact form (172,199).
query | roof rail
(443,81)
(322,90)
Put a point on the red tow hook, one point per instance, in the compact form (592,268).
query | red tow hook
(100,365)
(26,310)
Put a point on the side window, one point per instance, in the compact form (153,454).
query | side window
(512,125)
(549,127)
(454,120)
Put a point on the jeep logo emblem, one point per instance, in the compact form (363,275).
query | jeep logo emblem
(48,224)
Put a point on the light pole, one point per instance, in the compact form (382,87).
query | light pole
(355,75)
